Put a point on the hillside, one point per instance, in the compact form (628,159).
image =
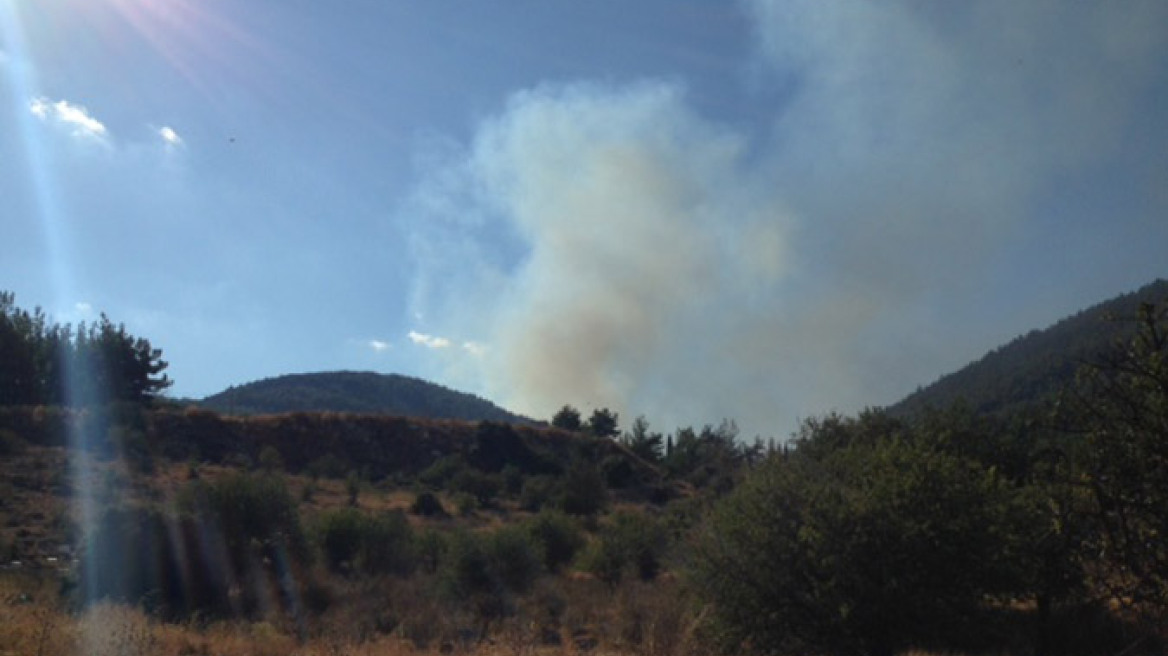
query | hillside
(1033,368)
(356,392)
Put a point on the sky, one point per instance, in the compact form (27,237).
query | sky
(691,210)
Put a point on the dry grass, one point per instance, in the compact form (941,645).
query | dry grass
(385,617)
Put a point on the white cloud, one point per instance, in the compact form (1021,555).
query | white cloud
(68,115)
(429,341)
(83,308)
(378,345)
(475,348)
(169,136)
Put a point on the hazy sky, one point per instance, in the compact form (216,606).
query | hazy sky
(688,209)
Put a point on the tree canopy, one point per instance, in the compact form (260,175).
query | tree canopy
(43,362)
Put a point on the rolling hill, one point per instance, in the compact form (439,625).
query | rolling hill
(356,392)
(1033,368)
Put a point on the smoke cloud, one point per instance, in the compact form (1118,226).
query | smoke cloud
(614,248)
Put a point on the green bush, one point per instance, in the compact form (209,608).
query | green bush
(538,491)
(427,504)
(514,558)
(628,542)
(874,547)
(441,471)
(327,466)
(557,537)
(341,535)
(270,459)
(583,491)
(353,541)
(483,487)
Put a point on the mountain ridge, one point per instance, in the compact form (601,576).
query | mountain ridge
(357,392)
(1030,370)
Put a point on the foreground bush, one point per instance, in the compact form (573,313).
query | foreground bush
(874,549)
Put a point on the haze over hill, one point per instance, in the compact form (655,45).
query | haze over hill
(356,392)
(1033,368)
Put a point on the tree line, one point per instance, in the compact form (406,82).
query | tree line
(43,362)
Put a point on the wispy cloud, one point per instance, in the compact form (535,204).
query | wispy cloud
(378,345)
(429,341)
(73,117)
(475,348)
(169,136)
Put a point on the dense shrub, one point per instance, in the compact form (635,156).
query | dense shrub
(628,543)
(871,548)
(557,538)
(583,491)
(483,487)
(427,504)
(353,541)
(514,558)
(537,492)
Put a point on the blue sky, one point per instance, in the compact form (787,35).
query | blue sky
(688,209)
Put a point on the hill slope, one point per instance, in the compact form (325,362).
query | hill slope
(1033,368)
(356,392)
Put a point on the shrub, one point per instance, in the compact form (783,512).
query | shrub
(538,491)
(441,471)
(389,546)
(353,541)
(583,491)
(427,504)
(514,559)
(557,538)
(341,534)
(327,466)
(270,459)
(483,487)
(627,542)
(873,546)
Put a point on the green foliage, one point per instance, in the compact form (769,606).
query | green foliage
(427,504)
(583,491)
(710,458)
(603,423)
(248,511)
(1031,371)
(356,392)
(484,488)
(644,444)
(341,535)
(104,363)
(514,558)
(537,492)
(568,418)
(352,541)
(270,459)
(883,542)
(557,538)
(441,471)
(628,543)
(1121,406)
(327,466)
(353,487)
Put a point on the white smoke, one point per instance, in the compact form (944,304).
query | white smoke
(672,266)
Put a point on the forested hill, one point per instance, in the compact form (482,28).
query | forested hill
(356,392)
(1033,368)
